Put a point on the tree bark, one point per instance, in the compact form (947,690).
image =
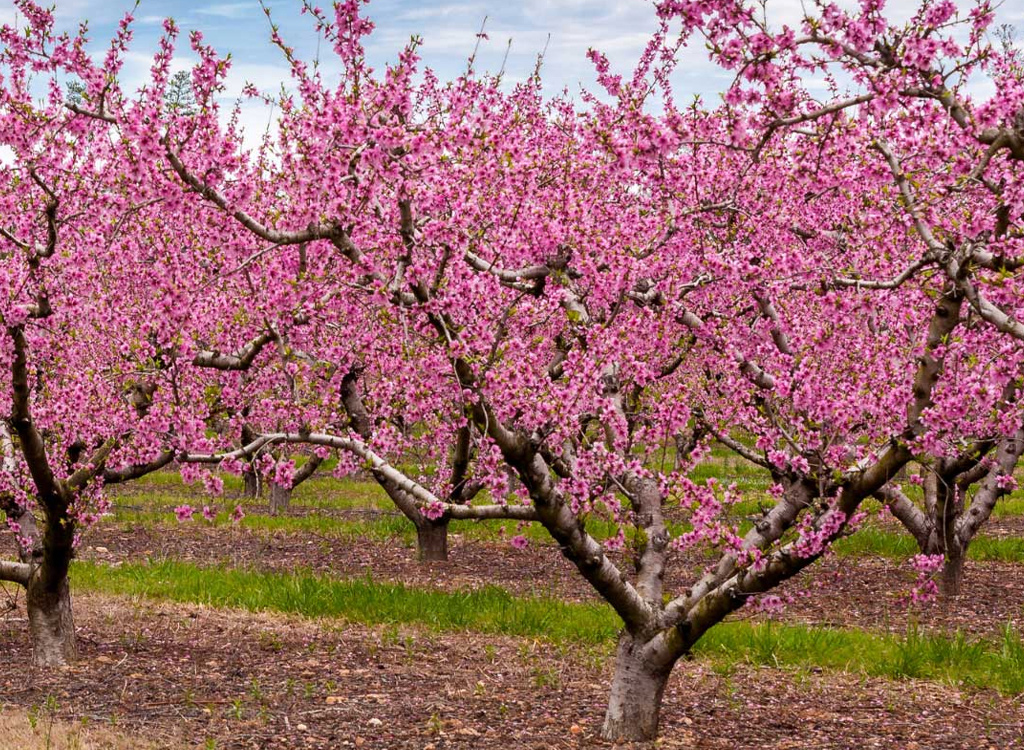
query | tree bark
(432,540)
(634,706)
(252,485)
(952,573)
(50,620)
(280,497)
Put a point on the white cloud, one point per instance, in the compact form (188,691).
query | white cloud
(228,10)
(620,28)
(432,12)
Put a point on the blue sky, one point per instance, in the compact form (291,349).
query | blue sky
(617,27)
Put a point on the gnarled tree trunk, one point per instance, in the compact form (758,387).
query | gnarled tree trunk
(280,497)
(952,572)
(251,476)
(634,706)
(432,539)
(50,619)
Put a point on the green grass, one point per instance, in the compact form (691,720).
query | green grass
(995,664)
(871,540)
(958,659)
(163,490)
(487,610)
(1010,507)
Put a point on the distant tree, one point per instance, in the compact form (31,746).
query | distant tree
(178,98)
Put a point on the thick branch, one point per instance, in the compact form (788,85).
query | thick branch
(135,471)
(750,369)
(15,572)
(988,311)
(487,512)
(92,467)
(307,470)
(910,201)
(907,513)
(375,463)
(309,234)
(996,484)
(32,446)
(772,316)
(894,283)
(240,360)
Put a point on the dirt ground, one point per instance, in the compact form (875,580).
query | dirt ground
(185,676)
(182,676)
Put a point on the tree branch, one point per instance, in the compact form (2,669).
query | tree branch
(240,360)
(137,470)
(15,572)
(994,487)
(907,513)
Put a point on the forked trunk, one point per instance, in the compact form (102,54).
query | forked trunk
(280,497)
(634,706)
(51,622)
(432,540)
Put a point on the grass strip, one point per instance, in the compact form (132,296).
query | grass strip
(871,540)
(995,664)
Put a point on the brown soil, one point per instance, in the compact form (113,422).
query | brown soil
(186,676)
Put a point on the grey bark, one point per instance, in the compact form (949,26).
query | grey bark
(432,540)
(50,620)
(252,485)
(952,573)
(280,498)
(634,704)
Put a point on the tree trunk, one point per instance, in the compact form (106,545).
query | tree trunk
(432,540)
(50,621)
(952,574)
(252,485)
(634,706)
(280,497)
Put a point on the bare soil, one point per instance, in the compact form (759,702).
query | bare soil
(184,676)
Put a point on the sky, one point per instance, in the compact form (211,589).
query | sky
(617,27)
(564,28)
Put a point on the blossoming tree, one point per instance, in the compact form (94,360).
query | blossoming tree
(900,146)
(579,286)
(582,286)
